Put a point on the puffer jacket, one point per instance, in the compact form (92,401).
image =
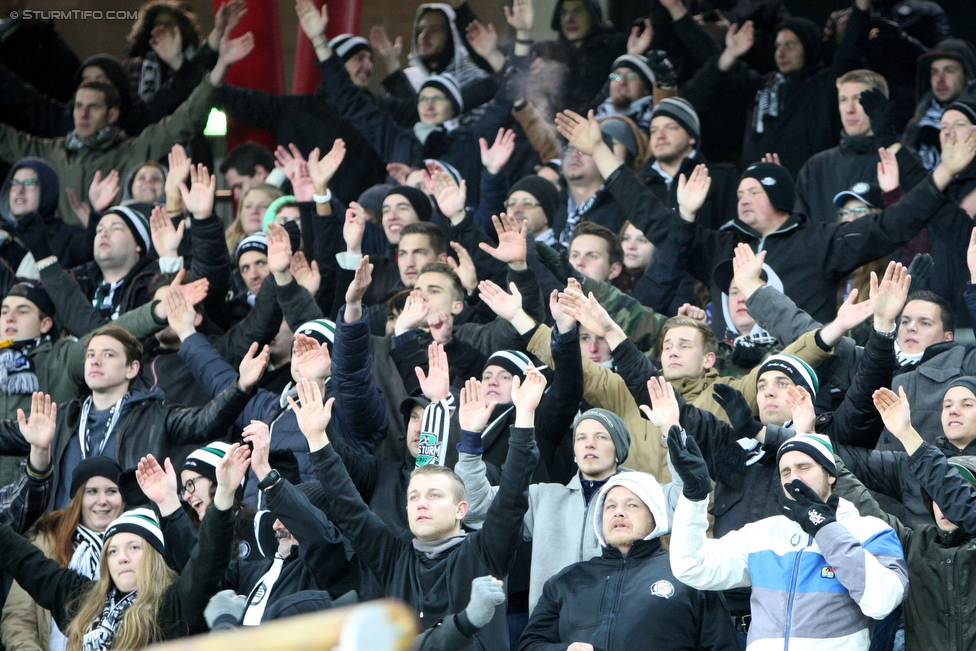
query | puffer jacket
(807,593)
(614,601)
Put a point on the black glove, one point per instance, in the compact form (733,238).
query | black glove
(690,465)
(806,508)
(663,69)
(920,269)
(738,410)
(878,109)
(33,234)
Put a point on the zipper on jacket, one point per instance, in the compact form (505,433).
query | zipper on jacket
(621,582)
(789,604)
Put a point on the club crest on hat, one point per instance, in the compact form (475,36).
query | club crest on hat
(663,589)
(768,181)
(861,187)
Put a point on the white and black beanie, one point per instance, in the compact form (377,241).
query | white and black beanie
(448,84)
(137,223)
(346,46)
(511,360)
(204,460)
(321,330)
(142,522)
(638,64)
(253,242)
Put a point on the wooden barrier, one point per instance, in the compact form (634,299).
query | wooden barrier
(385,625)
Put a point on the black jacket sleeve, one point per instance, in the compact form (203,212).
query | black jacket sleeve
(561,402)
(201,577)
(180,537)
(955,496)
(186,425)
(210,260)
(255,107)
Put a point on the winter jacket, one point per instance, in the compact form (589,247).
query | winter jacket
(181,608)
(309,123)
(938,608)
(76,168)
(437,584)
(148,425)
(853,572)
(804,121)
(72,244)
(618,602)
(394,144)
(26,626)
(721,200)
(36,53)
(838,168)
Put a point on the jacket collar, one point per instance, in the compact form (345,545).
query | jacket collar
(640,549)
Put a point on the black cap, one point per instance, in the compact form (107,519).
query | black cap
(869,193)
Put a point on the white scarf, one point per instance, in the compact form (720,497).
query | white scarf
(906,359)
(257,601)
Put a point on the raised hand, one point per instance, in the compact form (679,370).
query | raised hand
(564,322)
(888,177)
(399,172)
(258,436)
(889,295)
(293,165)
(179,314)
(279,248)
(851,314)
(664,411)
(253,365)
(747,269)
(39,430)
(450,195)
(414,313)
(436,383)
(323,168)
(640,38)
(232,50)
(193,292)
(739,40)
(692,192)
(895,411)
(526,395)
(306,275)
(167,43)
(503,304)
(231,470)
(464,267)
(770,158)
(102,191)
(495,157)
(512,235)
(360,282)
(801,407)
(957,153)
(689,464)
(737,409)
(354,227)
(199,198)
(179,168)
(482,38)
(312,415)
(165,238)
(588,311)
(582,133)
(441,327)
(310,358)
(383,49)
(521,16)
(693,312)
(805,507)
(228,17)
(160,483)
(473,413)
(80,208)
(313,21)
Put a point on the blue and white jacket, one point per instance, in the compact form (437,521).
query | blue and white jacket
(808,593)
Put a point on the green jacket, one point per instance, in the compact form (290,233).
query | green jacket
(641,324)
(60,365)
(76,169)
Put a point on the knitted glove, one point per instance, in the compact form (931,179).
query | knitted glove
(225,610)
(486,593)
(920,269)
(33,234)
(878,109)
(738,410)
(689,463)
(663,69)
(806,508)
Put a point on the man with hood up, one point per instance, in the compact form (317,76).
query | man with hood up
(795,108)
(437,46)
(614,600)
(30,192)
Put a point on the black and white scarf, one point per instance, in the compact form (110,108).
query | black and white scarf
(102,631)
(928,145)
(88,551)
(767,102)
(107,135)
(17,373)
(575,215)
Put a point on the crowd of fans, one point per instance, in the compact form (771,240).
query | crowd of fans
(649,336)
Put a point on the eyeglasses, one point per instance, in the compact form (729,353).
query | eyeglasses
(630,76)
(191,484)
(844,213)
(525,203)
(27,183)
(431,99)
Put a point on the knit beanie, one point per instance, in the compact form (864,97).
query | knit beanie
(615,426)
(346,46)
(967,381)
(681,111)
(816,446)
(136,222)
(142,522)
(34,292)
(417,198)
(253,242)
(638,64)
(794,368)
(965,104)
(372,197)
(777,183)
(615,127)
(321,330)
(544,192)
(645,487)
(511,360)
(204,460)
(449,86)
(94,467)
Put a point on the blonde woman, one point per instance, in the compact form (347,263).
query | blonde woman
(250,213)
(137,599)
